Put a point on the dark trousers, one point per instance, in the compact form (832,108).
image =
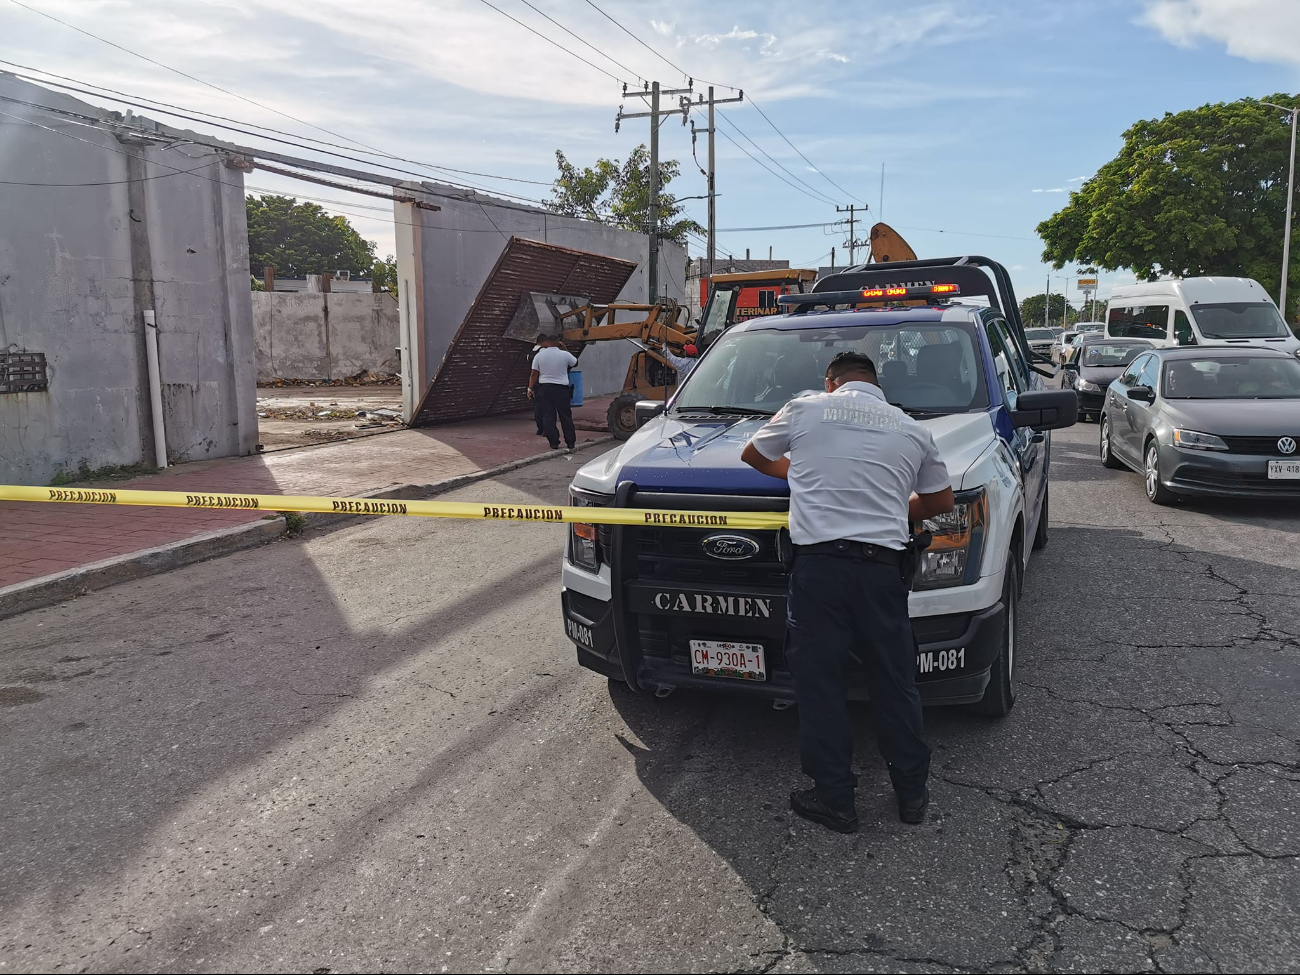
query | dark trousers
(555,403)
(537,414)
(837,607)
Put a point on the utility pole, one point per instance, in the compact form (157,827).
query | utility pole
(1047,302)
(852,243)
(711,175)
(654,92)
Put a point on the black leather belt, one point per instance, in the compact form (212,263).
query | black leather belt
(846,548)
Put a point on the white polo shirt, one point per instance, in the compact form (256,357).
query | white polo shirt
(553,365)
(854,463)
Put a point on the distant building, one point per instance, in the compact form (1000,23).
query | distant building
(312,282)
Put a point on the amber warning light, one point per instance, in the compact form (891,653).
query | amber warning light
(832,298)
(911,292)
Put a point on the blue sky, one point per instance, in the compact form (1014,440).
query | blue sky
(984,112)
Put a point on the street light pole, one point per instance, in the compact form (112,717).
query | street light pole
(1290,186)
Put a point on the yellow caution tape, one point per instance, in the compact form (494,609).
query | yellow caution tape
(431,509)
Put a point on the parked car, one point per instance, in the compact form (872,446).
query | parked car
(1207,421)
(1042,339)
(1100,361)
(1061,343)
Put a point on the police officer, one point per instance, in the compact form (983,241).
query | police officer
(537,402)
(549,383)
(859,471)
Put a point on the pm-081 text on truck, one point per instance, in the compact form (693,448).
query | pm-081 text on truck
(664,607)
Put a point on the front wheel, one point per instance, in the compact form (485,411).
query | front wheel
(1000,695)
(621,415)
(1106,450)
(1157,493)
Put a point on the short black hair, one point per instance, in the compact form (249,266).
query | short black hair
(851,364)
(542,337)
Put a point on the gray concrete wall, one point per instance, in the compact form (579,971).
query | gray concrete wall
(78,263)
(306,335)
(459,244)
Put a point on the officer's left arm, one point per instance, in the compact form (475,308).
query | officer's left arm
(933,485)
(766,450)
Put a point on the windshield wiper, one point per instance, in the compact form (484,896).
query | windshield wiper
(918,414)
(726,410)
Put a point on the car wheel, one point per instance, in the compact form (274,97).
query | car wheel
(1107,454)
(621,415)
(1156,492)
(1040,534)
(1000,695)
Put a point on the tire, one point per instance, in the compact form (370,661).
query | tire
(1108,458)
(1157,493)
(621,415)
(1000,696)
(1040,534)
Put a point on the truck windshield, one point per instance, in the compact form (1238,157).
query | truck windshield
(1240,320)
(924,367)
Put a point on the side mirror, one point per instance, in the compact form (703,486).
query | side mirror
(1143,394)
(646,410)
(1046,409)
(1071,367)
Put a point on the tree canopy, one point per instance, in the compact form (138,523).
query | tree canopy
(1197,192)
(1031,310)
(298,239)
(620,193)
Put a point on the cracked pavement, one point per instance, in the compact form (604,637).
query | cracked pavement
(370,749)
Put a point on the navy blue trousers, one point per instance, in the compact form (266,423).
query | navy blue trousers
(555,405)
(847,606)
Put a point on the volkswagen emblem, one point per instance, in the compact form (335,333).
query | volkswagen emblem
(730,547)
(1286,445)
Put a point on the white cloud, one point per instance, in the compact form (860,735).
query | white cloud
(1054,189)
(1076,179)
(1257,30)
(1016,267)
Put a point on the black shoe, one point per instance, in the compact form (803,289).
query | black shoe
(541,433)
(806,803)
(555,446)
(913,810)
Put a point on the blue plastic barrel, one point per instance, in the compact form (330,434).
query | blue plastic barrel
(575,379)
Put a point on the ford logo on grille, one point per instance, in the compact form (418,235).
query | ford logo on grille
(1286,445)
(731,547)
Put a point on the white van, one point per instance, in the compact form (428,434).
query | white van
(1199,311)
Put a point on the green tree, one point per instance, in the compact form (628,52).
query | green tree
(1198,192)
(298,239)
(620,193)
(383,275)
(1031,310)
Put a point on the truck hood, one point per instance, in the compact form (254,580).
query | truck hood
(703,456)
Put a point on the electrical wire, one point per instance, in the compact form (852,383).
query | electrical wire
(681,71)
(548,40)
(815,169)
(794,186)
(582,40)
(815,193)
(784,226)
(153,104)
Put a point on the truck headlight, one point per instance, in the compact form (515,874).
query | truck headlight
(586,547)
(953,558)
(1198,441)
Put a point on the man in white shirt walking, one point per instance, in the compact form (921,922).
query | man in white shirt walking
(549,384)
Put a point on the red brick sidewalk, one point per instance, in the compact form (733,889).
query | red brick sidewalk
(40,539)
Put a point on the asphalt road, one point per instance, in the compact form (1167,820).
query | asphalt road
(371,749)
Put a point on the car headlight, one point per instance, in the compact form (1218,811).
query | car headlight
(953,558)
(1087,387)
(1198,441)
(586,545)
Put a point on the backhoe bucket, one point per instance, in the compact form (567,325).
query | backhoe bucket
(538,312)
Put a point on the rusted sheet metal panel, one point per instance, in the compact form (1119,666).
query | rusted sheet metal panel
(484,373)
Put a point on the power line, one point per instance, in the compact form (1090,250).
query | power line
(682,72)
(151,104)
(817,194)
(582,40)
(183,74)
(784,226)
(794,186)
(546,39)
(815,169)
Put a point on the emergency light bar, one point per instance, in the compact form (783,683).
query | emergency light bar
(866,295)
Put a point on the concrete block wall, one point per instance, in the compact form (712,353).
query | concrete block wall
(79,263)
(312,335)
(457,247)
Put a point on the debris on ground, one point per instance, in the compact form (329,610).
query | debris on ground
(364,378)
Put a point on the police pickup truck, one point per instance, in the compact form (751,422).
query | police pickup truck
(665,607)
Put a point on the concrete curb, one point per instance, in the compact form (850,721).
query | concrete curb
(51,589)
